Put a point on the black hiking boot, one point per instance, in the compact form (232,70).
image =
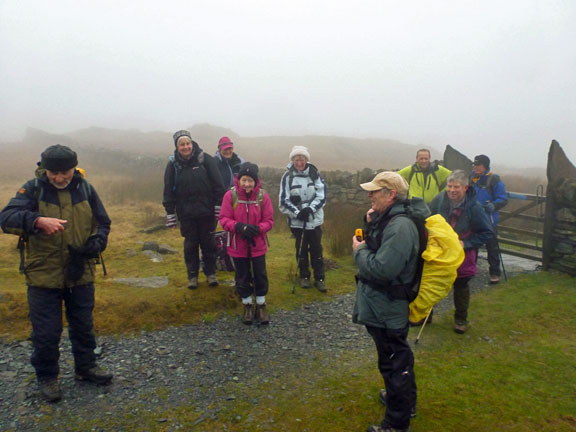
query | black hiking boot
(305,283)
(95,375)
(50,390)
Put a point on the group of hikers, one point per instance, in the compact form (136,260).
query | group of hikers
(64,226)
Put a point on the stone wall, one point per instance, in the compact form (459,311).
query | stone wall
(559,247)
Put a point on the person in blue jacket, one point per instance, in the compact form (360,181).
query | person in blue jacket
(491,194)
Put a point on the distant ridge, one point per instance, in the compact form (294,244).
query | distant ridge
(327,152)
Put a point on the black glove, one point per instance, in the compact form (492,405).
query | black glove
(93,246)
(75,268)
(252,230)
(295,199)
(305,213)
(240,228)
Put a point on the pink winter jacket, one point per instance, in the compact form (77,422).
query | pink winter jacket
(263,217)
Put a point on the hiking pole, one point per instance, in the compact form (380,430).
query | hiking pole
(498,247)
(298,252)
(423,325)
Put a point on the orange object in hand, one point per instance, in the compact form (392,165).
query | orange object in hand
(359,234)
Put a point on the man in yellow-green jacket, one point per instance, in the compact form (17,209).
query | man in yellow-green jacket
(426,179)
(64,227)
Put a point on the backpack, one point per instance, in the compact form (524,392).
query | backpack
(437,267)
(235,199)
(223,261)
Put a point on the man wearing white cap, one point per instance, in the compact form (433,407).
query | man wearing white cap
(387,261)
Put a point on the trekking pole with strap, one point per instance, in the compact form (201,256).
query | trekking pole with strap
(498,247)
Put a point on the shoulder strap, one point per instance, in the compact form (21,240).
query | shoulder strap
(235,199)
(492,181)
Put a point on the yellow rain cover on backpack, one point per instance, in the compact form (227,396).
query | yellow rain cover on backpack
(442,257)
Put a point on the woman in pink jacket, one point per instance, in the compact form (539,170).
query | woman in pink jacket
(247,215)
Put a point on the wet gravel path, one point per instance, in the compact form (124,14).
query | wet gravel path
(198,365)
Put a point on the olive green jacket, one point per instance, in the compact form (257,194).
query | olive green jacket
(47,257)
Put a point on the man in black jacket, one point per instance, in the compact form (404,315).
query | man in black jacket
(193,194)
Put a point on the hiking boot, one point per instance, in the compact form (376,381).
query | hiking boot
(193,282)
(50,390)
(387,428)
(461,327)
(95,375)
(248,314)
(305,283)
(262,314)
(494,279)
(212,281)
(320,286)
(382,398)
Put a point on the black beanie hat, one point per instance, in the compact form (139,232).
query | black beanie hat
(250,170)
(179,134)
(482,160)
(58,158)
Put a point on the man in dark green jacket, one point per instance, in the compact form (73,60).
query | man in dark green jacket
(387,263)
(65,227)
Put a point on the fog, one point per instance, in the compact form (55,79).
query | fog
(493,77)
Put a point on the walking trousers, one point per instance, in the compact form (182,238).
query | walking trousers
(396,365)
(45,309)
(198,232)
(251,277)
(311,244)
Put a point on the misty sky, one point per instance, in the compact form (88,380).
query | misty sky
(494,77)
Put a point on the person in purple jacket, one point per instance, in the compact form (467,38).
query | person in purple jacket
(459,206)
(247,214)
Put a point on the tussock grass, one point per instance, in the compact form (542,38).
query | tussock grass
(123,309)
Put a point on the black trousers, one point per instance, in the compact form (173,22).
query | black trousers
(396,365)
(251,276)
(310,244)
(492,251)
(45,310)
(198,232)
(461,299)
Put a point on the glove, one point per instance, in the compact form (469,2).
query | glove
(93,246)
(295,199)
(171,221)
(489,207)
(217,211)
(251,231)
(305,213)
(240,228)
(75,268)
